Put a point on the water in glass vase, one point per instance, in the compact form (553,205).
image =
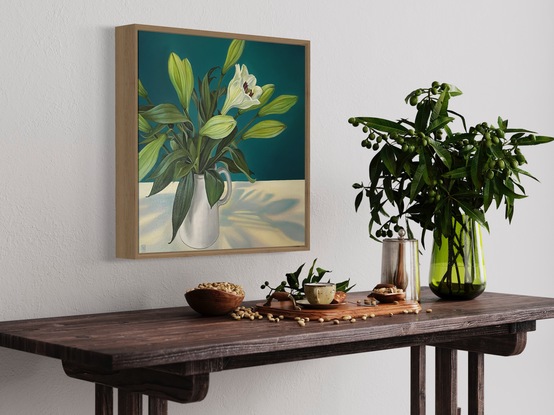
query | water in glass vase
(457,269)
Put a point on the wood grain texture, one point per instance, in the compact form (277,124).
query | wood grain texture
(146,381)
(348,308)
(446,381)
(178,336)
(417,380)
(126,147)
(103,400)
(500,345)
(476,383)
(129,403)
(157,406)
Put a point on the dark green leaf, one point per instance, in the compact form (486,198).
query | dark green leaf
(231,166)
(181,203)
(161,182)
(438,124)
(384,125)
(387,156)
(443,153)
(311,270)
(475,169)
(458,173)
(240,162)
(474,214)
(214,186)
(487,195)
(417,182)
(358,201)
(441,106)
(539,139)
(168,162)
(422,116)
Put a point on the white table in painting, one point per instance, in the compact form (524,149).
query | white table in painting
(264,214)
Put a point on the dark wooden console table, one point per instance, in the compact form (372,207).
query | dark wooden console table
(168,354)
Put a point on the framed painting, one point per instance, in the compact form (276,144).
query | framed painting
(212,143)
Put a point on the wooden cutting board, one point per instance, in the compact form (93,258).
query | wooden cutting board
(349,308)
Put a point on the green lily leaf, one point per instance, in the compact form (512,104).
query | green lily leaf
(148,156)
(169,161)
(182,202)
(279,105)
(231,166)
(161,182)
(214,186)
(143,125)
(165,114)
(182,168)
(265,129)
(240,162)
(142,91)
(218,127)
(233,54)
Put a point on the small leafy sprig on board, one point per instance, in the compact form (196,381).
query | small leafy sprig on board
(296,287)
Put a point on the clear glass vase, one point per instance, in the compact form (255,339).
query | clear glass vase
(457,269)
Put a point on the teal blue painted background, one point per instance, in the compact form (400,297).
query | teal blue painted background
(279,158)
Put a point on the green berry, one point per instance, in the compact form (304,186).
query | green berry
(413,100)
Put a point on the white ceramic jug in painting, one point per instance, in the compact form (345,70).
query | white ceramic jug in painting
(200,229)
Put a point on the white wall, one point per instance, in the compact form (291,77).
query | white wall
(57,199)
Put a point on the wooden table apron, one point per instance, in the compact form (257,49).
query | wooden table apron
(169,353)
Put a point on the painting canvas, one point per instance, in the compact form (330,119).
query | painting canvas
(212,142)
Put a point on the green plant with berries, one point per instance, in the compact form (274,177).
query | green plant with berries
(434,176)
(295,286)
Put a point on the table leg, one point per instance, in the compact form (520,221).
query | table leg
(103,400)
(417,380)
(446,382)
(157,406)
(129,403)
(476,383)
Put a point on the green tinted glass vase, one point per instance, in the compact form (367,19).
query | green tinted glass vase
(457,269)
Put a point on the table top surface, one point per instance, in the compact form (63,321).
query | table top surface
(142,338)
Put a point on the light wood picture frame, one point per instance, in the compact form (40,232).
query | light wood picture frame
(212,143)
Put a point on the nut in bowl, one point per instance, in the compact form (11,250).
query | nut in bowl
(215,298)
(387,293)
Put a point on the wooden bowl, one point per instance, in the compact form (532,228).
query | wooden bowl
(210,302)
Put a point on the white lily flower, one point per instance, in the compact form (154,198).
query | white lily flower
(242,91)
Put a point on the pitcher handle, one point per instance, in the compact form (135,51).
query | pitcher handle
(225,172)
